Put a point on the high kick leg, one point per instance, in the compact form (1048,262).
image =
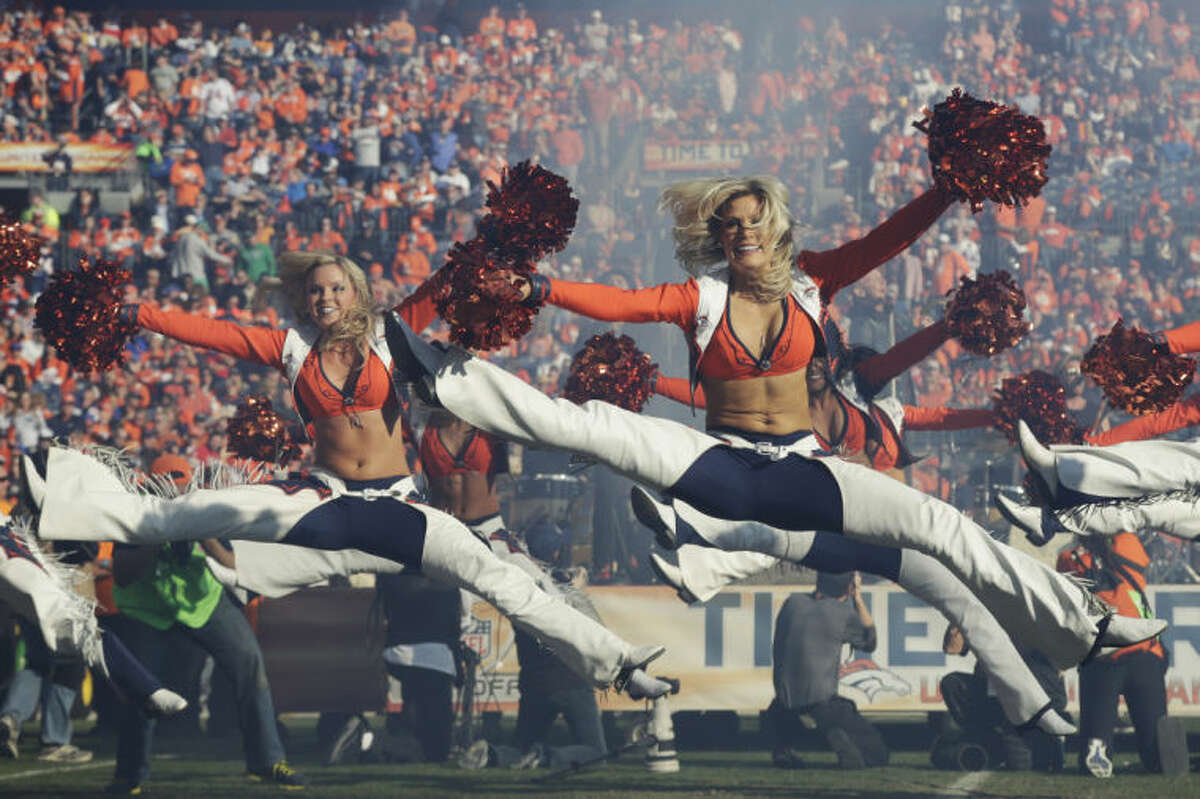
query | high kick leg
(1057,616)
(453,555)
(276,570)
(1128,470)
(1017,689)
(86,501)
(1176,514)
(652,451)
(705,570)
(793,493)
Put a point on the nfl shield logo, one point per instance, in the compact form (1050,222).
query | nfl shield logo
(479,637)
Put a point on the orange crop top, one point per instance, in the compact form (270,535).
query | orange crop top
(314,393)
(482,454)
(727,358)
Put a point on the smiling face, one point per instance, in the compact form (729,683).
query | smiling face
(742,236)
(330,295)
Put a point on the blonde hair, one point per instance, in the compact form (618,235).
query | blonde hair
(359,320)
(697,206)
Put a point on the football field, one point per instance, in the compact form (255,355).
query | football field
(214,769)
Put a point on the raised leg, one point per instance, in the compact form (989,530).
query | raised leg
(455,556)
(794,493)
(86,501)
(1130,469)
(704,571)
(1175,514)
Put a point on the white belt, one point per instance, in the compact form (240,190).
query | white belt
(402,489)
(776,452)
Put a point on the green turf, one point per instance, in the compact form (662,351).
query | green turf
(214,769)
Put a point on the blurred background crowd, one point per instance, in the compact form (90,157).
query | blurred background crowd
(377,140)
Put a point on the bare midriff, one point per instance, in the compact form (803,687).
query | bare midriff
(464,495)
(367,452)
(776,405)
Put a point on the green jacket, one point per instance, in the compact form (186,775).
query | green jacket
(171,591)
(256,261)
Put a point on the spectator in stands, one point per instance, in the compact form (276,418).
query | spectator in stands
(192,252)
(42,215)
(58,161)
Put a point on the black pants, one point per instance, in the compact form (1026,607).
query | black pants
(967,699)
(983,722)
(428,712)
(1140,678)
(833,714)
(537,712)
(228,638)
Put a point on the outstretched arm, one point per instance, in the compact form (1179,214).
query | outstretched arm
(917,418)
(1184,339)
(878,370)
(670,302)
(418,309)
(1184,413)
(258,344)
(835,269)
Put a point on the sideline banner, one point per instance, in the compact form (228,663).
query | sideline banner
(695,154)
(721,649)
(27,157)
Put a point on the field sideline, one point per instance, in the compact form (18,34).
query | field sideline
(214,769)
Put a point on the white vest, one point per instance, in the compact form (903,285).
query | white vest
(297,345)
(892,411)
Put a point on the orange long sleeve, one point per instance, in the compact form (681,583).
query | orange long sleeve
(1184,413)
(418,309)
(678,389)
(835,269)
(258,344)
(670,302)
(878,370)
(1184,339)
(917,418)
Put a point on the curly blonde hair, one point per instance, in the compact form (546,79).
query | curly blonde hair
(359,320)
(697,206)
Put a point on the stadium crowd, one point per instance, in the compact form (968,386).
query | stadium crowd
(378,141)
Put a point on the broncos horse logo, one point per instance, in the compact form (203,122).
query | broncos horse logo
(867,676)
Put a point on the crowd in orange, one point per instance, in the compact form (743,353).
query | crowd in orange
(378,141)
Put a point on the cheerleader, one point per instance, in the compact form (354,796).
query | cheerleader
(754,325)
(360,496)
